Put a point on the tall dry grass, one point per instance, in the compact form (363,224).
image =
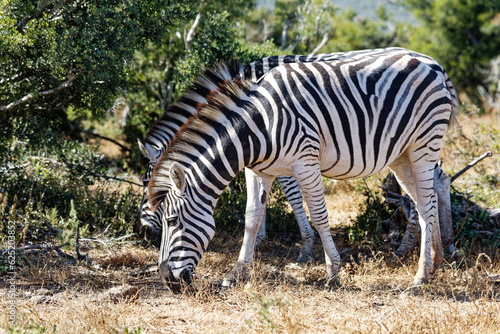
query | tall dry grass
(278,295)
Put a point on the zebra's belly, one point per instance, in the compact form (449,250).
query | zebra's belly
(343,171)
(343,166)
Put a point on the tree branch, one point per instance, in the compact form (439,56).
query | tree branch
(70,165)
(320,45)
(196,23)
(90,133)
(28,97)
(283,34)
(470,165)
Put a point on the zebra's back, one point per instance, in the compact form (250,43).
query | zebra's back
(358,112)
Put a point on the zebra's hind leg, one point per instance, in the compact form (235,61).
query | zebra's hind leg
(294,196)
(442,186)
(261,234)
(258,187)
(416,179)
(310,182)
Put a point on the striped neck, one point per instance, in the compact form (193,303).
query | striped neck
(227,134)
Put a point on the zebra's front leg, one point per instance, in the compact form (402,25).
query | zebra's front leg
(310,181)
(293,194)
(258,187)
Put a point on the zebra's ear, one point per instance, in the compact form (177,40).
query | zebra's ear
(177,176)
(143,149)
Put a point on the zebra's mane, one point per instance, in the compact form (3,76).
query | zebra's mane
(220,103)
(205,86)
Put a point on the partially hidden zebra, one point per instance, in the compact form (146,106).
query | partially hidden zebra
(345,119)
(164,130)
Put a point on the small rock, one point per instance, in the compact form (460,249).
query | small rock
(121,293)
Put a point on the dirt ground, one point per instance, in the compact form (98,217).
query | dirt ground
(279,295)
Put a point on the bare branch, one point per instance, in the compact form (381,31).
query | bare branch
(265,30)
(90,133)
(283,33)
(470,165)
(320,45)
(196,23)
(71,165)
(26,98)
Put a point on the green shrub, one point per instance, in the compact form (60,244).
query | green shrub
(230,210)
(52,183)
(367,226)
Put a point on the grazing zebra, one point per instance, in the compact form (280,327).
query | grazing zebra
(345,119)
(160,135)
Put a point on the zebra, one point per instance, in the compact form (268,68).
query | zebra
(159,136)
(344,119)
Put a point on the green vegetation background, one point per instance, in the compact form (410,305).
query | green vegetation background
(113,67)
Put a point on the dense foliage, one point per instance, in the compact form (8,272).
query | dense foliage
(462,35)
(61,53)
(49,183)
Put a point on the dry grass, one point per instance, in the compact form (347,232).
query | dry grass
(278,296)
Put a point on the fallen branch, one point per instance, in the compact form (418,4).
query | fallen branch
(64,255)
(150,268)
(109,241)
(52,228)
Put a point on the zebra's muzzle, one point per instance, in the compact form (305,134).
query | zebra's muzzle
(175,283)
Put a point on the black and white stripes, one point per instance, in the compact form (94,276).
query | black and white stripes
(343,118)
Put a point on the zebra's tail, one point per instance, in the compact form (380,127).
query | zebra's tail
(454,101)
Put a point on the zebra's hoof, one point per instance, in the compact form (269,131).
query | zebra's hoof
(232,277)
(332,282)
(420,281)
(304,258)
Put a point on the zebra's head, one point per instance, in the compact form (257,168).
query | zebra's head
(186,229)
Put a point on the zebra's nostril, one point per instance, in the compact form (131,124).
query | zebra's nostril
(166,273)
(168,277)
(185,276)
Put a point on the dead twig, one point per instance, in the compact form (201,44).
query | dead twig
(470,165)
(72,165)
(369,190)
(150,268)
(93,134)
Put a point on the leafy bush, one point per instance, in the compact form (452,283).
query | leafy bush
(230,210)
(367,226)
(51,183)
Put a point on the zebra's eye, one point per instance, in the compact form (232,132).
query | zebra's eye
(171,221)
